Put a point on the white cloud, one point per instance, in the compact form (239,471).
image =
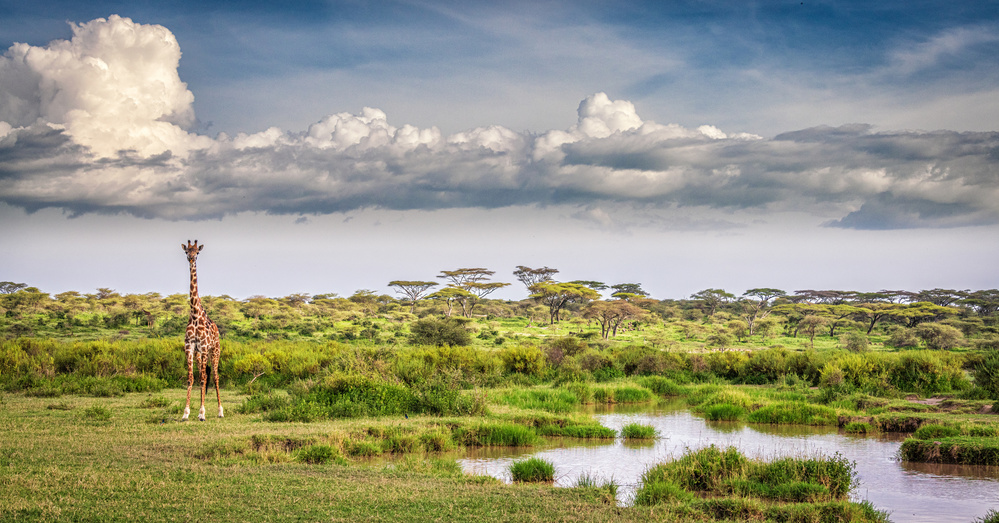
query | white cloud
(68,110)
(114,86)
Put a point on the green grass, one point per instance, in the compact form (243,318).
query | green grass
(719,483)
(638,431)
(797,413)
(961,450)
(725,412)
(62,466)
(533,470)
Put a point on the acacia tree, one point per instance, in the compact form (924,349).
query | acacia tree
(610,314)
(630,290)
(557,295)
(713,298)
(474,282)
(755,302)
(414,290)
(529,276)
(448,296)
(811,325)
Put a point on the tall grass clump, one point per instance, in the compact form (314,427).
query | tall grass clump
(343,395)
(558,401)
(661,385)
(794,413)
(533,470)
(725,412)
(638,431)
(724,484)
(97,413)
(496,435)
(317,454)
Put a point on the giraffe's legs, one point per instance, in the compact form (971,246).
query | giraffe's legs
(215,372)
(203,361)
(190,380)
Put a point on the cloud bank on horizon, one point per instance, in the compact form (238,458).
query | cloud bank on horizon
(101,124)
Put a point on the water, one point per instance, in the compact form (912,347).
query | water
(911,492)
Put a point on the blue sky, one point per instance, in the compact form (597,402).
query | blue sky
(332,146)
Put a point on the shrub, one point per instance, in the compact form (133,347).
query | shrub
(524,359)
(567,345)
(534,470)
(986,374)
(855,342)
(439,332)
(939,336)
(902,338)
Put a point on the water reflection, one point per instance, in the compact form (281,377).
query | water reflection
(912,492)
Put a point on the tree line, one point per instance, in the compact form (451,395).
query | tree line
(759,311)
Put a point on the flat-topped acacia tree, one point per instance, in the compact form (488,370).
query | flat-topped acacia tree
(414,290)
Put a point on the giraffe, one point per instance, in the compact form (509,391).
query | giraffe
(201,340)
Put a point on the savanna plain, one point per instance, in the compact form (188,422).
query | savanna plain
(344,408)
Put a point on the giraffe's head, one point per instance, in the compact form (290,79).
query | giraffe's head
(192,250)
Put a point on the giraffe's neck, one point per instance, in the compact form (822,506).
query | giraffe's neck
(196,308)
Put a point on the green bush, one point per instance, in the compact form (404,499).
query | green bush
(523,359)
(855,342)
(439,332)
(901,338)
(939,336)
(986,374)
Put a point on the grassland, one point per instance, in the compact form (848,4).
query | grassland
(337,411)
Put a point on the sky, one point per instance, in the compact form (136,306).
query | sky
(331,146)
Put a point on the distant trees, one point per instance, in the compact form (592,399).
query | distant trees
(627,290)
(529,276)
(712,299)
(474,281)
(414,290)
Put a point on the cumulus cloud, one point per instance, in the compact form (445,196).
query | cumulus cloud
(99,123)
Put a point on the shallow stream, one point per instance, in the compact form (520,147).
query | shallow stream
(911,492)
